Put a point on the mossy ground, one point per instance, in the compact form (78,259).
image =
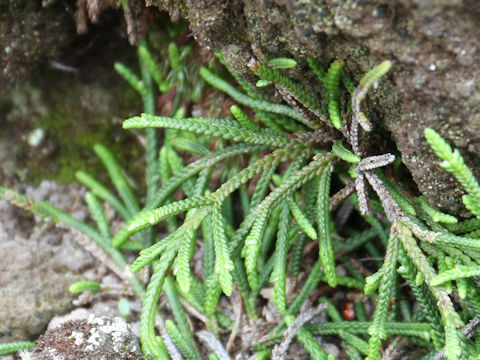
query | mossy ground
(72,118)
(74,131)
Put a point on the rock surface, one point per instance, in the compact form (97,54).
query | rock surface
(434,45)
(100,338)
(30,35)
(31,290)
(38,264)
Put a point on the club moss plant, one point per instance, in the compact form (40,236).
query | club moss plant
(262,189)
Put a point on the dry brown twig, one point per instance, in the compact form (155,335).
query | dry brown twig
(211,341)
(167,340)
(193,311)
(236,301)
(306,314)
(469,330)
(97,252)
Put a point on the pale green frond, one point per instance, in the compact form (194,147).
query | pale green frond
(118,178)
(326,253)
(213,290)
(268,73)
(243,118)
(453,162)
(458,272)
(301,219)
(131,78)
(375,74)
(317,69)
(190,352)
(13,347)
(226,129)
(378,330)
(224,86)
(223,264)
(343,153)
(147,58)
(373,282)
(334,75)
(103,193)
(186,250)
(194,168)
(191,146)
(81,286)
(279,273)
(98,215)
(281,63)
(251,249)
(147,218)
(149,254)
(418,329)
(436,215)
(151,346)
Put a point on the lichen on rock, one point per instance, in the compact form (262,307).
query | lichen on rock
(101,338)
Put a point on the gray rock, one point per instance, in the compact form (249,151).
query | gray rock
(39,262)
(30,34)
(32,291)
(100,338)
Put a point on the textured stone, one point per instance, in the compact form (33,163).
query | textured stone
(30,35)
(31,290)
(39,262)
(99,338)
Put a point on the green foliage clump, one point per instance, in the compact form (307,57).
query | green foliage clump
(263,190)
(13,347)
